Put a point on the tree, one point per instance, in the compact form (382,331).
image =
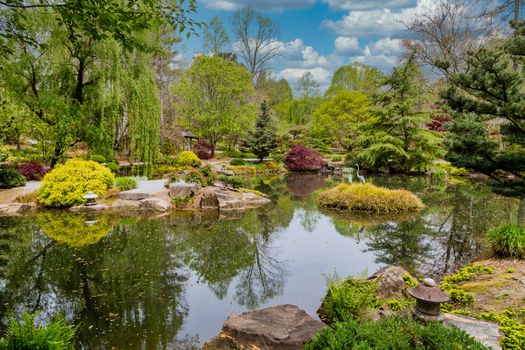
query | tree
(214,98)
(356,77)
(271,90)
(307,86)
(398,139)
(256,37)
(98,20)
(215,37)
(340,118)
(263,140)
(489,123)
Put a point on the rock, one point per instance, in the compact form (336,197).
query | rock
(283,327)
(183,189)
(126,204)
(89,208)
(485,332)
(226,199)
(391,282)
(15,209)
(134,195)
(225,172)
(154,204)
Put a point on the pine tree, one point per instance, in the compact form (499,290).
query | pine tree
(488,128)
(263,140)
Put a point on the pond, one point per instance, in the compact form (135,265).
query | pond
(169,282)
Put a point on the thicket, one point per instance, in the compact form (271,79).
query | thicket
(65,185)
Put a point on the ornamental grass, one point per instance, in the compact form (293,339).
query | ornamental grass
(508,241)
(369,198)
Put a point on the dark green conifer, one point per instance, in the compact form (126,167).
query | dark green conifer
(263,140)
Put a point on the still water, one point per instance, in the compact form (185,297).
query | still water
(169,282)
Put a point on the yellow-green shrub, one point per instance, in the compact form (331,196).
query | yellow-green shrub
(369,198)
(65,185)
(188,158)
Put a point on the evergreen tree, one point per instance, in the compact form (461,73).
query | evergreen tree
(489,122)
(263,140)
(398,138)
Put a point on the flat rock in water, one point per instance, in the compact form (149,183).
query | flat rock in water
(15,209)
(283,327)
(134,195)
(154,204)
(89,208)
(126,204)
(485,332)
(183,189)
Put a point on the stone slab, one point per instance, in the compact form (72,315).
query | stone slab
(485,332)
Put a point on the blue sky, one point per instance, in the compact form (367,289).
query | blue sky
(319,36)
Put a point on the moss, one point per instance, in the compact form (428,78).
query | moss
(369,198)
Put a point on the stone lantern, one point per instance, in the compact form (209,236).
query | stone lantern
(90,198)
(429,298)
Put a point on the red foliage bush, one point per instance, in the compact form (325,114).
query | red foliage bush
(438,120)
(32,171)
(301,158)
(202,149)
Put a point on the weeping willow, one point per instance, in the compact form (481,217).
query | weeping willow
(128,106)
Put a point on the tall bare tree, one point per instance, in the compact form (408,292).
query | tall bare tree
(215,37)
(257,39)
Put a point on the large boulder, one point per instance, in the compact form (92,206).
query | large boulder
(283,327)
(391,282)
(134,195)
(154,204)
(226,199)
(15,209)
(485,332)
(183,189)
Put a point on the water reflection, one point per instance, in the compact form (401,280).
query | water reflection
(137,282)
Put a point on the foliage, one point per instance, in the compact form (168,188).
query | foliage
(341,117)
(513,330)
(125,183)
(234,181)
(263,140)
(214,99)
(467,273)
(215,37)
(25,335)
(450,169)
(188,158)
(397,140)
(369,198)
(392,333)
(65,185)
(202,149)
(301,158)
(351,296)
(356,77)
(204,176)
(237,161)
(9,178)
(32,171)
(508,241)
(98,158)
(114,167)
(488,127)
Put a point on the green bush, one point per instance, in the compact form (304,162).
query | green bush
(114,167)
(393,333)
(98,158)
(205,177)
(125,183)
(9,178)
(188,158)
(337,158)
(65,185)
(508,241)
(234,181)
(369,198)
(24,335)
(237,161)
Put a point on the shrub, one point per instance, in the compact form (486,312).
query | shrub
(204,176)
(125,183)
(301,158)
(25,335)
(32,171)
(237,161)
(4,153)
(369,198)
(9,178)
(114,167)
(160,170)
(202,149)
(98,158)
(188,158)
(508,241)
(337,158)
(65,185)
(392,333)
(233,181)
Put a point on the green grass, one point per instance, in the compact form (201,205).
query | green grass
(508,241)
(125,183)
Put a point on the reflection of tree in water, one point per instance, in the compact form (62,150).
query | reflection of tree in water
(302,185)
(124,292)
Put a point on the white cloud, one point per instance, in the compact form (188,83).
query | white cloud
(352,5)
(379,21)
(266,6)
(321,75)
(347,46)
(387,46)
